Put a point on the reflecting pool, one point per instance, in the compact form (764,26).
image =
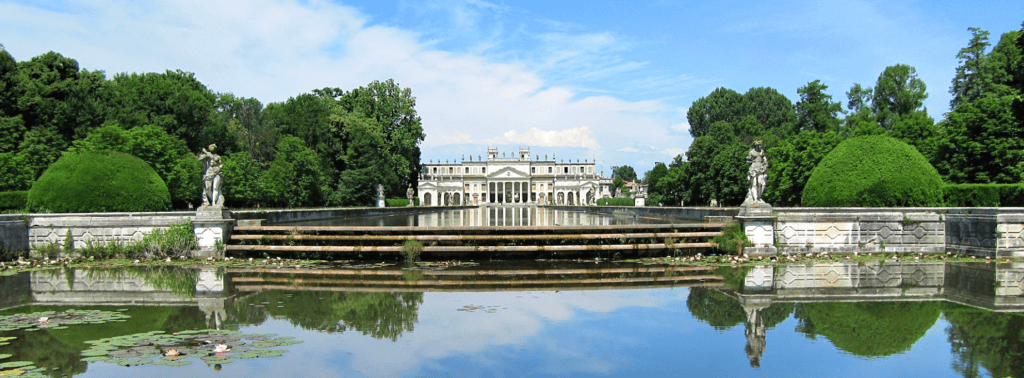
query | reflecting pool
(519,319)
(489,216)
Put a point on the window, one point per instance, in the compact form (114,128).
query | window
(566,170)
(467,170)
(435,170)
(533,170)
(451,170)
(549,170)
(483,170)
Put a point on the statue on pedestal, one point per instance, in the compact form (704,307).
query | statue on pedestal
(213,179)
(409,193)
(757,175)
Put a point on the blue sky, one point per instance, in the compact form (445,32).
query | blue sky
(604,80)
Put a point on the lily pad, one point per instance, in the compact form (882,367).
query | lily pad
(14,364)
(167,362)
(141,348)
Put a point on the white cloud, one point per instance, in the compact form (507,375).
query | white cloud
(628,149)
(275,49)
(683,127)
(673,152)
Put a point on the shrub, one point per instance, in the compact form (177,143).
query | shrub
(400,202)
(98,182)
(733,238)
(873,171)
(616,202)
(177,240)
(971,195)
(412,250)
(1011,195)
(15,200)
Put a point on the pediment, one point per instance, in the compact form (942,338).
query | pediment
(508,172)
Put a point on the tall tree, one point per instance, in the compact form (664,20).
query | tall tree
(815,110)
(174,100)
(859,97)
(898,92)
(792,162)
(655,180)
(722,104)
(620,175)
(983,143)
(717,167)
(394,109)
(969,82)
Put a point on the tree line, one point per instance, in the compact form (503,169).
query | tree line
(329,147)
(980,139)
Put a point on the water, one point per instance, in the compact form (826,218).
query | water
(489,216)
(553,319)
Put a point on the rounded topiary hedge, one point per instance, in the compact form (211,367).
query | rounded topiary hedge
(99,182)
(873,171)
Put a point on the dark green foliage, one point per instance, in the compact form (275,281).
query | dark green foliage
(412,249)
(616,202)
(401,202)
(295,177)
(985,339)
(971,195)
(175,101)
(717,167)
(657,185)
(99,182)
(167,154)
(733,238)
(791,164)
(715,308)
(243,174)
(983,195)
(13,200)
(873,171)
(869,329)
(983,143)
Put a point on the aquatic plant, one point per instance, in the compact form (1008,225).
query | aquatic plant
(177,349)
(412,250)
(58,319)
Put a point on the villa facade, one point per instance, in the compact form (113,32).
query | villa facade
(514,180)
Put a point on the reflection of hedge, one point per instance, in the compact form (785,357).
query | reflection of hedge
(983,195)
(715,308)
(15,200)
(871,329)
(98,182)
(616,202)
(985,339)
(873,171)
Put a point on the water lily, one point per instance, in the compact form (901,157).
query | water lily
(221,348)
(171,352)
(44,320)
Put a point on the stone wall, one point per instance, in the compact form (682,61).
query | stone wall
(978,231)
(14,233)
(98,228)
(302,215)
(699,214)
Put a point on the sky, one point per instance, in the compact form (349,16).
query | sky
(609,81)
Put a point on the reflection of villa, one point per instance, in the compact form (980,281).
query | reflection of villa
(511,180)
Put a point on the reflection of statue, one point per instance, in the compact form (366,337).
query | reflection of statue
(758,173)
(409,193)
(755,332)
(213,179)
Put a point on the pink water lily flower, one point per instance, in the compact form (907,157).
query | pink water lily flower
(171,352)
(221,348)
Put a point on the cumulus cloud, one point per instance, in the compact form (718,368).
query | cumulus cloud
(275,49)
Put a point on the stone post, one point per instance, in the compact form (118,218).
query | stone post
(212,226)
(759,226)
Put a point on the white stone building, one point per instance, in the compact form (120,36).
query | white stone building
(514,180)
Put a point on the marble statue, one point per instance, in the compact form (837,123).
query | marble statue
(213,179)
(758,173)
(409,193)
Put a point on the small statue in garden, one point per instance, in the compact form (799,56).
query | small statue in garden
(213,179)
(380,191)
(409,194)
(758,173)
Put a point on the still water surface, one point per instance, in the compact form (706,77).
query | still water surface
(488,217)
(558,319)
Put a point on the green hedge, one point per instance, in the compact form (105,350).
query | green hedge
(14,200)
(400,202)
(616,202)
(99,182)
(983,195)
(873,171)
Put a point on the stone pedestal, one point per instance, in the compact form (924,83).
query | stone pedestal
(381,203)
(640,201)
(212,226)
(759,225)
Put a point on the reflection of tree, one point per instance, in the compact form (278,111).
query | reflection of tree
(982,338)
(776,313)
(715,308)
(57,358)
(381,315)
(868,328)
